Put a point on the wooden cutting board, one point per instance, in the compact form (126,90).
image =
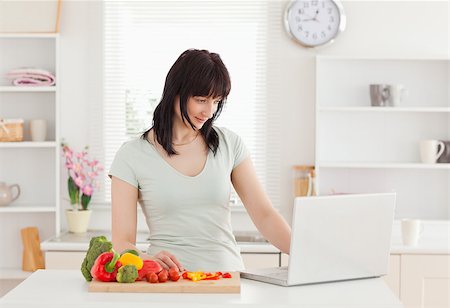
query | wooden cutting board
(223,285)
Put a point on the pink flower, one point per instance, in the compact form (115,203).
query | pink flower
(79,182)
(69,165)
(68,154)
(77,167)
(82,170)
(88,190)
(93,163)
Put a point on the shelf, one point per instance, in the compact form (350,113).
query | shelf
(13,273)
(384,165)
(385,58)
(28,144)
(27,89)
(29,35)
(386,109)
(27,208)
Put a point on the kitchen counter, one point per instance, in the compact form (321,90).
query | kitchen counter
(435,239)
(80,242)
(67,288)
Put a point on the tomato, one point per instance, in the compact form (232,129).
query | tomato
(173,274)
(152,277)
(163,276)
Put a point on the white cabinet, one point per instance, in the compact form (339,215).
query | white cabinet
(392,279)
(425,281)
(73,259)
(260,260)
(64,259)
(360,148)
(284,259)
(32,165)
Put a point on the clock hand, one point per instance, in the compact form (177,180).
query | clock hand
(317,13)
(315,16)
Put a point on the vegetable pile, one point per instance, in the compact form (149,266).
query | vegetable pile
(104,264)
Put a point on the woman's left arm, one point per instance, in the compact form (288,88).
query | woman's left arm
(268,221)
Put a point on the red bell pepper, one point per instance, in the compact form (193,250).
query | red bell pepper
(106,266)
(213,276)
(226,275)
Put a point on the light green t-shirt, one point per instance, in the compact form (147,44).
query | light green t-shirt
(187,216)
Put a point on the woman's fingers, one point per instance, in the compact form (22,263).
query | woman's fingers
(167,261)
(177,263)
(163,265)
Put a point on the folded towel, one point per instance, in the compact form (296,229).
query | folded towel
(31,77)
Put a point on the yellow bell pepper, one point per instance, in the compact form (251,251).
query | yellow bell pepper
(129,258)
(196,276)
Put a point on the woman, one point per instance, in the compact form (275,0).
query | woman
(180,172)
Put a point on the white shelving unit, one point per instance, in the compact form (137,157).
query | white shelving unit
(385,109)
(27,89)
(35,166)
(360,148)
(29,144)
(385,165)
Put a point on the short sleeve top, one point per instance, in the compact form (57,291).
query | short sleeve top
(188,216)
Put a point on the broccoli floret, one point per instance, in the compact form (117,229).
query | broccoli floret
(97,246)
(127,273)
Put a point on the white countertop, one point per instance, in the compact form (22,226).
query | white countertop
(67,288)
(435,239)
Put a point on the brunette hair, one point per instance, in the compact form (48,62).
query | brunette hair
(194,73)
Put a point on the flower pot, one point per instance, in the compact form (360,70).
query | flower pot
(78,221)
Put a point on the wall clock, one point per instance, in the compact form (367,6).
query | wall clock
(315,23)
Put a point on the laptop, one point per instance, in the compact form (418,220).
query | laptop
(335,238)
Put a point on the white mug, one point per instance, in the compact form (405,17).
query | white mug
(431,150)
(38,129)
(397,94)
(411,231)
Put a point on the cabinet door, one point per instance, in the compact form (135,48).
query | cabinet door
(425,281)
(392,279)
(260,260)
(284,259)
(64,259)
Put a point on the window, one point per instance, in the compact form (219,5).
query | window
(141,42)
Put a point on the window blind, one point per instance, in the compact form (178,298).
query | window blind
(141,42)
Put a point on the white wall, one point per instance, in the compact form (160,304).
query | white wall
(374,28)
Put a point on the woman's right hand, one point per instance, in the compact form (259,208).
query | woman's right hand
(167,260)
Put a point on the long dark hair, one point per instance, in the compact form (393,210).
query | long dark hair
(194,73)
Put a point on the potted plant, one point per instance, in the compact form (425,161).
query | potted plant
(81,184)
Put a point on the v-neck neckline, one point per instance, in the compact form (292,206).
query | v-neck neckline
(153,147)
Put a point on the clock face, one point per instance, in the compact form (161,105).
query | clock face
(315,22)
